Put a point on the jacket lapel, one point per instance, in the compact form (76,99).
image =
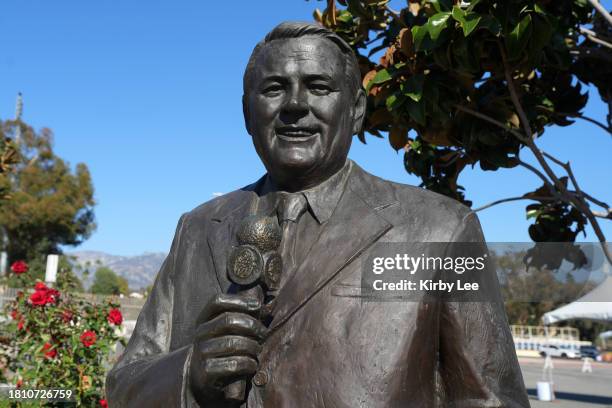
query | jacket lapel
(221,238)
(333,250)
(219,242)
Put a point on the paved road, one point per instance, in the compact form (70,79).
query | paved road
(573,388)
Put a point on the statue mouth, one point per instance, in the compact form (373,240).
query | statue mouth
(296,133)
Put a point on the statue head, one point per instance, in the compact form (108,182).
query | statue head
(302,103)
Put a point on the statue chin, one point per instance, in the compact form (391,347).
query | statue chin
(293,164)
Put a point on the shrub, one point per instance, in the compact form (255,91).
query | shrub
(61,340)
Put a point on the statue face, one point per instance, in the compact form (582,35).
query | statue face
(300,111)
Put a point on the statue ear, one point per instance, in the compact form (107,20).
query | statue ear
(245,112)
(359,110)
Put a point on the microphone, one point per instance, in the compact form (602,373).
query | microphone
(255,266)
(256,259)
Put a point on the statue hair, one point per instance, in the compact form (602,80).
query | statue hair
(296,29)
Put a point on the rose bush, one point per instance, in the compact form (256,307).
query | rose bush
(61,340)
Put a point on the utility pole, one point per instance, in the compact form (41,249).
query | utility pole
(18,113)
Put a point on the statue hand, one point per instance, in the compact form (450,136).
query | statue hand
(226,345)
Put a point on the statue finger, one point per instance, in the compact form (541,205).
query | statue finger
(227,346)
(224,370)
(225,324)
(224,302)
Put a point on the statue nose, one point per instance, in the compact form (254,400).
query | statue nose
(296,104)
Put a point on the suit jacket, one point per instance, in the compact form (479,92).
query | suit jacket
(328,348)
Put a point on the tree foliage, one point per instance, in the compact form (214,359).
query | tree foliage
(107,282)
(474,83)
(532,292)
(7,159)
(50,204)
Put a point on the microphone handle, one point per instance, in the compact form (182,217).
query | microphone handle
(236,391)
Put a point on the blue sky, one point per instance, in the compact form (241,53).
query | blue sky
(147,94)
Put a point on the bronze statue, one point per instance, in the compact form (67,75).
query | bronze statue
(258,303)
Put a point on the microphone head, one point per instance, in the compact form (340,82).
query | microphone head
(245,265)
(260,231)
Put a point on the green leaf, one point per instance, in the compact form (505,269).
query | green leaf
(420,36)
(467,21)
(436,24)
(518,38)
(394,101)
(538,9)
(381,76)
(345,16)
(413,87)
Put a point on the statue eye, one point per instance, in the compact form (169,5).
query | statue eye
(272,90)
(318,88)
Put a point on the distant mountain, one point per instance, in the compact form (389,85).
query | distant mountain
(139,270)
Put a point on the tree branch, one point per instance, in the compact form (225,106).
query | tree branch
(601,214)
(489,119)
(540,175)
(597,6)
(586,118)
(506,200)
(530,136)
(596,201)
(568,169)
(553,158)
(592,35)
(576,200)
(534,170)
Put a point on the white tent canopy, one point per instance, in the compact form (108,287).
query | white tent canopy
(592,306)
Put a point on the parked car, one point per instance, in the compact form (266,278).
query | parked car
(589,351)
(555,351)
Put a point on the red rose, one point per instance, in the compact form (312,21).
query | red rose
(20,325)
(49,351)
(103,403)
(43,295)
(38,298)
(40,286)
(19,267)
(19,383)
(52,295)
(15,314)
(115,317)
(88,338)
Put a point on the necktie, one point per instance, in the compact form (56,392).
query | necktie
(290,208)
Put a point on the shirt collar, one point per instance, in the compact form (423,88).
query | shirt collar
(322,199)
